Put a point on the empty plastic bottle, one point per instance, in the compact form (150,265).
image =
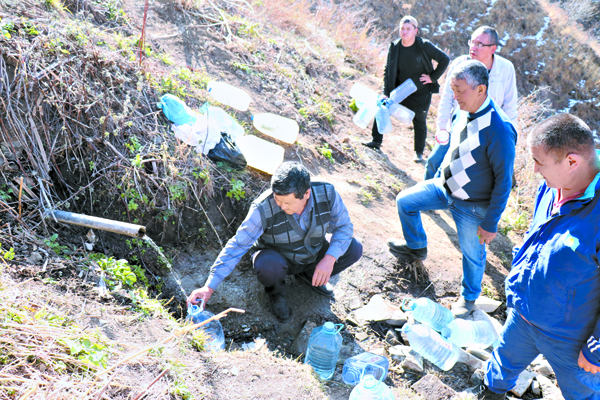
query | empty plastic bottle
(363,96)
(261,154)
(431,345)
(465,333)
(213,329)
(219,118)
(429,312)
(323,349)
(229,95)
(276,126)
(382,117)
(370,387)
(354,366)
(364,116)
(407,88)
(401,113)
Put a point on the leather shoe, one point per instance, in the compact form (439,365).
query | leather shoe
(324,290)
(484,393)
(279,307)
(373,145)
(462,308)
(402,252)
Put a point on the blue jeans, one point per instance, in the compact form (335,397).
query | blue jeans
(434,160)
(521,342)
(431,195)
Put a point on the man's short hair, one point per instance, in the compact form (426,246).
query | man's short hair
(493,34)
(563,134)
(473,72)
(409,20)
(290,177)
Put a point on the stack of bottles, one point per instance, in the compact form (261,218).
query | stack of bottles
(371,386)
(197,314)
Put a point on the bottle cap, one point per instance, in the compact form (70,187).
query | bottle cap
(329,327)
(446,332)
(351,376)
(406,328)
(369,381)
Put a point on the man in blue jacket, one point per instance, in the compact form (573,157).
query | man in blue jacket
(553,289)
(474,185)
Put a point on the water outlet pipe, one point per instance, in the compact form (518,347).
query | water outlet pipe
(103,224)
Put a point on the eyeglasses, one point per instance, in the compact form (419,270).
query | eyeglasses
(479,44)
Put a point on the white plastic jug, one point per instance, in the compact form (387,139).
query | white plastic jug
(260,154)
(276,126)
(229,95)
(363,95)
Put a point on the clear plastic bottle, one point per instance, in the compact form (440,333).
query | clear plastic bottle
(429,312)
(370,387)
(364,116)
(197,314)
(261,154)
(323,349)
(219,118)
(431,345)
(401,113)
(354,366)
(407,88)
(363,96)
(465,333)
(229,95)
(382,117)
(276,126)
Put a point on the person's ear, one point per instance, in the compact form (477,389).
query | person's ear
(573,160)
(307,194)
(481,89)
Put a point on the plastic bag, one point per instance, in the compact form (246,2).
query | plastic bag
(176,110)
(228,152)
(203,134)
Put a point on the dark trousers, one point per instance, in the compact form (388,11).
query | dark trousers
(271,267)
(420,106)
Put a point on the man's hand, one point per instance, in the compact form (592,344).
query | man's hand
(485,236)
(203,293)
(425,79)
(586,365)
(323,271)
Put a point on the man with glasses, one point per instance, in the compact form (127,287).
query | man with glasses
(502,89)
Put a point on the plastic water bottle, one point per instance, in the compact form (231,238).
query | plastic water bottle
(465,333)
(354,366)
(323,349)
(217,117)
(261,154)
(407,88)
(276,126)
(382,117)
(431,345)
(229,95)
(364,116)
(363,96)
(213,329)
(429,312)
(401,113)
(370,387)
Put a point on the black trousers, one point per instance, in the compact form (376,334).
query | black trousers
(420,106)
(271,267)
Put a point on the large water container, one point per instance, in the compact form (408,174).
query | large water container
(323,349)
(276,126)
(371,388)
(363,116)
(221,120)
(363,96)
(229,95)
(401,113)
(407,88)
(214,330)
(465,333)
(429,312)
(354,366)
(261,154)
(431,345)
(382,117)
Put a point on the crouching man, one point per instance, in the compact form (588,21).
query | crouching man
(285,229)
(553,289)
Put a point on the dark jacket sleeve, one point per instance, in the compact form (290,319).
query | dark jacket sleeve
(435,53)
(390,70)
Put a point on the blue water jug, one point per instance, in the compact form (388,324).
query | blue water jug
(429,312)
(370,387)
(431,345)
(354,366)
(323,349)
(213,329)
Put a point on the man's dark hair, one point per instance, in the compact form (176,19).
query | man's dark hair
(491,32)
(290,177)
(563,134)
(473,72)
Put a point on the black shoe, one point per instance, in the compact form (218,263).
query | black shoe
(484,393)
(324,290)
(279,307)
(402,252)
(462,308)
(373,145)
(418,157)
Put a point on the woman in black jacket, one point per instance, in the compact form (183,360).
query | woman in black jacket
(410,58)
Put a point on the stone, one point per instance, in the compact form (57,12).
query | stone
(380,351)
(544,368)
(396,322)
(549,389)
(301,340)
(536,388)
(486,304)
(399,353)
(360,336)
(351,321)
(477,377)
(430,387)
(413,362)
(479,353)
(523,382)
(355,303)
(471,361)
(34,258)
(391,338)
(234,371)
(378,310)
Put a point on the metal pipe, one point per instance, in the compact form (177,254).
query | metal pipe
(123,228)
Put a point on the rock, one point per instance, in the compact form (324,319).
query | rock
(399,353)
(544,368)
(413,362)
(430,387)
(549,389)
(301,340)
(378,310)
(536,388)
(486,304)
(479,353)
(396,322)
(234,371)
(467,359)
(391,338)
(523,383)
(355,303)
(477,377)
(34,258)
(360,336)
(380,351)
(351,321)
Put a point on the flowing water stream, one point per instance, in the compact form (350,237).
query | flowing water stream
(158,250)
